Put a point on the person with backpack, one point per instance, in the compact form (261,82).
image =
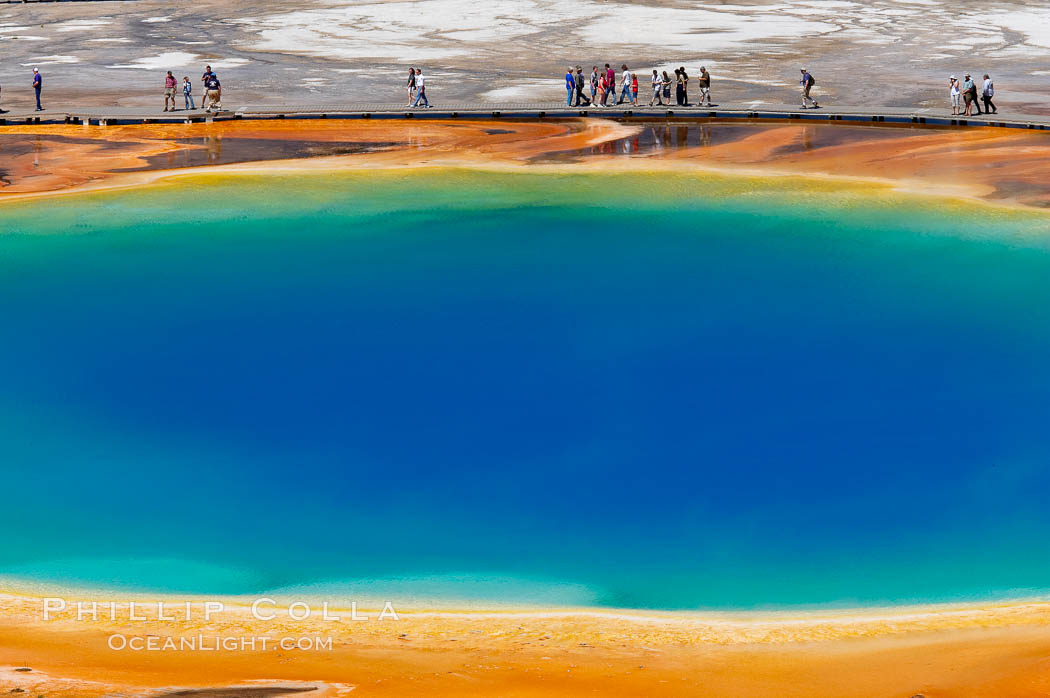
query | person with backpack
(986,96)
(807,82)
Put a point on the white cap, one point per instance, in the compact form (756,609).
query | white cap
(36,70)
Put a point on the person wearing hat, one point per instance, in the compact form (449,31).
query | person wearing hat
(955,93)
(581,98)
(969,89)
(38,82)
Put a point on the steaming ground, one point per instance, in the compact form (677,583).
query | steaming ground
(885,52)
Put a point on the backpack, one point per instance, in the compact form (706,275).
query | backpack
(812,80)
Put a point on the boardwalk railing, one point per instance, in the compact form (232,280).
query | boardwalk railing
(524,110)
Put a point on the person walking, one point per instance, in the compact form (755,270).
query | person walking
(187,93)
(581,98)
(169,92)
(634,89)
(570,86)
(213,93)
(807,82)
(955,93)
(987,92)
(610,83)
(411,85)
(666,84)
(657,90)
(625,86)
(685,86)
(704,83)
(421,90)
(594,86)
(969,89)
(38,83)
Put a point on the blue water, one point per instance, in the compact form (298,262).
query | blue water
(611,390)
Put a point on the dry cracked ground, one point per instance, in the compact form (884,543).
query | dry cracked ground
(874,52)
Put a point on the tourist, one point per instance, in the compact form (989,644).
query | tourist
(169,91)
(956,95)
(705,86)
(570,86)
(581,99)
(634,89)
(411,85)
(625,86)
(970,96)
(421,90)
(595,76)
(610,83)
(204,78)
(987,92)
(807,82)
(685,86)
(657,89)
(678,87)
(666,82)
(38,82)
(213,92)
(187,93)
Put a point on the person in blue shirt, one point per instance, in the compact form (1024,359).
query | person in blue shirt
(570,86)
(38,82)
(213,93)
(807,83)
(187,92)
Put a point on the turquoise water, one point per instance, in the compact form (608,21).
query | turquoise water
(613,390)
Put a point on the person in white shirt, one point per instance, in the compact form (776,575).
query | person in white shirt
(986,96)
(421,90)
(956,95)
(625,91)
(657,88)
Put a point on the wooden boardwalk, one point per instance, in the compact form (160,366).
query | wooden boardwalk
(524,110)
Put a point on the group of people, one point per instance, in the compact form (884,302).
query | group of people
(966,93)
(603,85)
(212,91)
(417,88)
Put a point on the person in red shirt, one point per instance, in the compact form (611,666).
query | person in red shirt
(610,83)
(169,91)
